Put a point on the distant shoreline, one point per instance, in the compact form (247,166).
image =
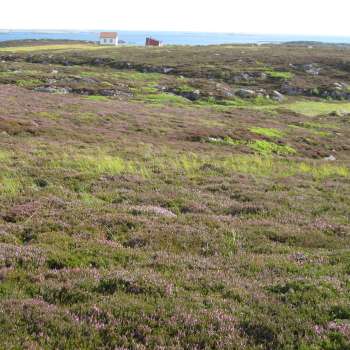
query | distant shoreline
(38,42)
(174,38)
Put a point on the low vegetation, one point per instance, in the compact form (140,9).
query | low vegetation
(143,208)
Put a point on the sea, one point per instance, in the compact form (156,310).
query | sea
(172,38)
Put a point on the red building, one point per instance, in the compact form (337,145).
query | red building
(153,42)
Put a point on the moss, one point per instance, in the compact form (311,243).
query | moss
(256,102)
(266,148)
(279,74)
(313,108)
(97,98)
(164,98)
(269,132)
(29,83)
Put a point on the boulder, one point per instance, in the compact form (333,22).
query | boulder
(167,70)
(246,93)
(291,90)
(277,96)
(261,92)
(106,92)
(98,61)
(224,90)
(312,69)
(242,77)
(192,95)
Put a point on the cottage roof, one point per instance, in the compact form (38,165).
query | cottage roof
(108,35)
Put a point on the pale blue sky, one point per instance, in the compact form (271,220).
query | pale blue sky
(251,16)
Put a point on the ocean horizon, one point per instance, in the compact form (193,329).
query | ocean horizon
(169,37)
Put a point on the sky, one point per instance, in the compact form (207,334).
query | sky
(309,17)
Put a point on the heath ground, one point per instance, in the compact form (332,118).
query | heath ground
(175,197)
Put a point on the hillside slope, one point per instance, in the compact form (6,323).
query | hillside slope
(150,209)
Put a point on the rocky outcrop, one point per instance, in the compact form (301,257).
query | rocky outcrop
(53,90)
(336,91)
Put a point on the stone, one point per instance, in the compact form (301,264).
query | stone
(277,96)
(291,90)
(193,95)
(338,85)
(299,257)
(312,69)
(153,210)
(242,77)
(53,90)
(167,70)
(246,93)
(330,158)
(106,92)
(98,61)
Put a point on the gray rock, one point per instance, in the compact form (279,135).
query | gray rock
(161,87)
(299,257)
(242,77)
(245,93)
(88,80)
(330,158)
(106,92)
(98,61)
(291,90)
(167,70)
(227,93)
(340,86)
(277,96)
(312,69)
(52,90)
(152,210)
(224,90)
(192,95)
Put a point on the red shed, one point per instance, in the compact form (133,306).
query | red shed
(153,42)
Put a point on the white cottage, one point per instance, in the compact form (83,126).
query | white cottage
(109,38)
